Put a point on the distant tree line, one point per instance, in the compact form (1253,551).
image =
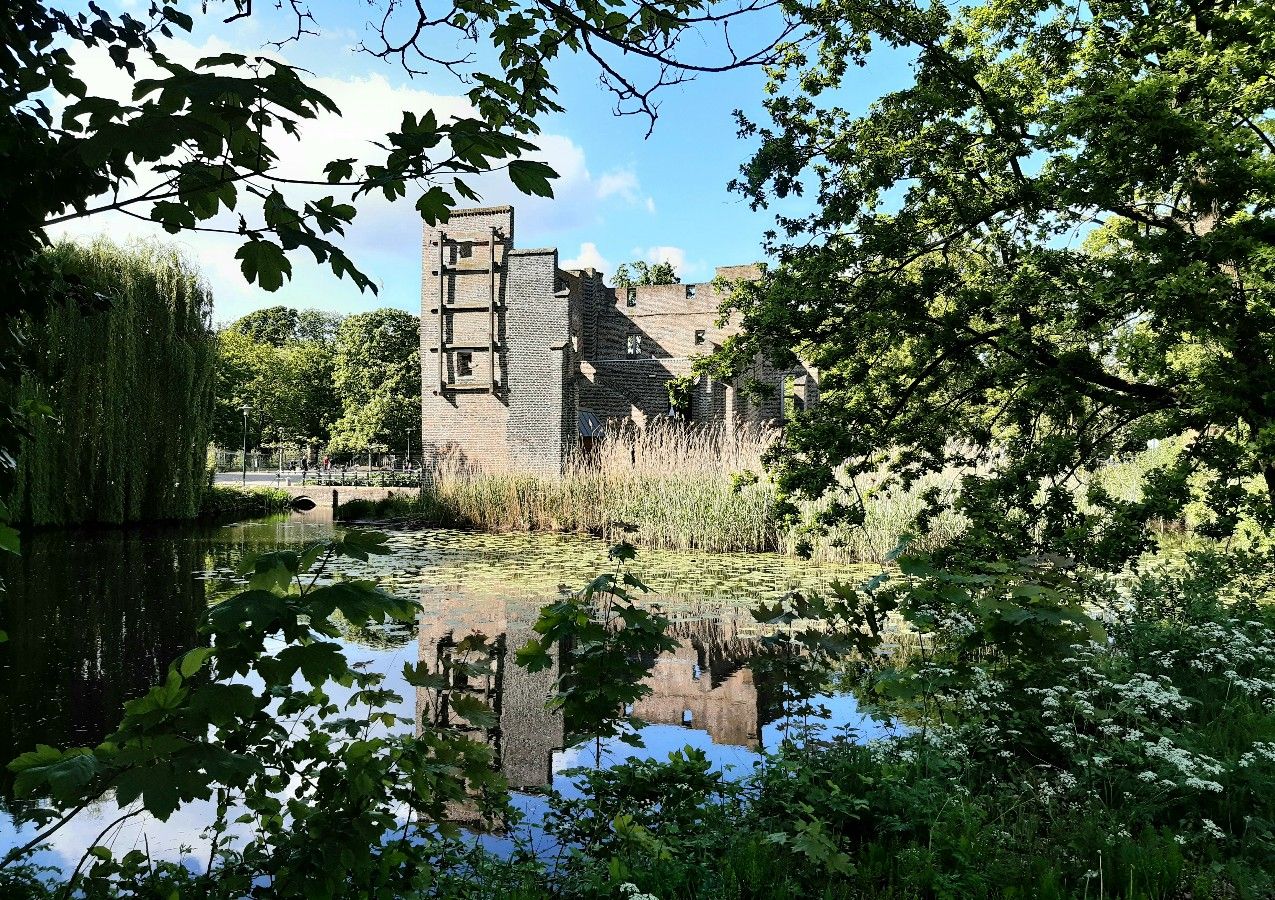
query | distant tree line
(319,381)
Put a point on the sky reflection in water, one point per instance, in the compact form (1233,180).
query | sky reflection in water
(95,618)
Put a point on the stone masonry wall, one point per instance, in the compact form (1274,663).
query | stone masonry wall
(674,323)
(468,427)
(538,335)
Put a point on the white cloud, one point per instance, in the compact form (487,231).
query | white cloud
(650,205)
(621,182)
(384,240)
(588,258)
(675,256)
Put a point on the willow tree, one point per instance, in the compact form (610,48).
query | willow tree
(1052,246)
(127,386)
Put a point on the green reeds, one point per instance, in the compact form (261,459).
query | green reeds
(665,487)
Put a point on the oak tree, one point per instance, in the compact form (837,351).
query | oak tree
(1052,246)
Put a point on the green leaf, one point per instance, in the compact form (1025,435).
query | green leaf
(435,205)
(622,552)
(264,263)
(359,544)
(339,170)
(318,662)
(532,177)
(533,657)
(10,539)
(64,774)
(421,677)
(473,710)
(156,785)
(194,660)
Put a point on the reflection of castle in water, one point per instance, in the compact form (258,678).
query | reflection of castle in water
(705,684)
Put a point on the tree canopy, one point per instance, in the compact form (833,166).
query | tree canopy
(288,387)
(1053,246)
(279,325)
(127,390)
(377,374)
(644,273)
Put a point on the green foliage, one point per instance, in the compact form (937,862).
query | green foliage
(128,390)
(230,502)
(280,325)
(660,822)
(1050,246)
(644,274)
(279,362)
(377,375)
(606,644)
(1138,763)
(679,395)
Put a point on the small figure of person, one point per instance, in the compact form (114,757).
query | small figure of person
(305,468)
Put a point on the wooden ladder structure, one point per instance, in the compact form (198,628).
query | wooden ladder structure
(454,274)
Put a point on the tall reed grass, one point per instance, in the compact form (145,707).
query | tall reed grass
(664,487)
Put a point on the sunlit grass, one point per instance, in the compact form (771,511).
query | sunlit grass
(666,488)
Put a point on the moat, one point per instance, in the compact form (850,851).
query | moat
(94,618)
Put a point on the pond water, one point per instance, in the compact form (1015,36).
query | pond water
(94,618)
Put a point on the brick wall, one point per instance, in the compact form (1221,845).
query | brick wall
(541,363)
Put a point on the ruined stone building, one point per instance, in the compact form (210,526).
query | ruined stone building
(521,359)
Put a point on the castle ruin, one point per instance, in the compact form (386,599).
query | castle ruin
(522,360)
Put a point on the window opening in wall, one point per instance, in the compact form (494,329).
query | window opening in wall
(699,335)
(690,291)
(633,344)
(464,364)
(630,297)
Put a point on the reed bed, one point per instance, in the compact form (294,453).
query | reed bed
(888,516)
(665,487)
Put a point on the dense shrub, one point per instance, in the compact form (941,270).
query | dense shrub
(230,502)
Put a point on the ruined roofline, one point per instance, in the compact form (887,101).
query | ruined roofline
(531,251)
(479,211)
(738,272)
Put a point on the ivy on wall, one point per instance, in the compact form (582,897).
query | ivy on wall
(129,383)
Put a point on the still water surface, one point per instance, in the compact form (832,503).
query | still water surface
(94,619)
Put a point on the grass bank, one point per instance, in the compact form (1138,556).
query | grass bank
(227,502)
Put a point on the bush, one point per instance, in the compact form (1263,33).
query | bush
(228,502)
(1137,761)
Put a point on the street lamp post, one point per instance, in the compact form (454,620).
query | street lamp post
(246,407)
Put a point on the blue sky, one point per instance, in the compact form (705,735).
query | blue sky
(621,196)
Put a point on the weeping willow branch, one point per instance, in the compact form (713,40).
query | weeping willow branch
(130,390)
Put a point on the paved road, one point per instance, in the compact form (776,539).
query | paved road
(272,478)
(256,477)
